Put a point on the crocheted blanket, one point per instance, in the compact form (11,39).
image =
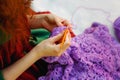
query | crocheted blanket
(93,55)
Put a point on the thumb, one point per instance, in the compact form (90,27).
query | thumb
(57,37)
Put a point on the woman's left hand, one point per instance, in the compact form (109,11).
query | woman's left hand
(48,21)
(51,21)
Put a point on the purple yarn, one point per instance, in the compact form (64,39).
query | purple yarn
(93,55)
(117,28)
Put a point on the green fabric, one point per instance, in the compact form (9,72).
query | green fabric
(39,35)
(1,76)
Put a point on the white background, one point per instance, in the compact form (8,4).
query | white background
(81,13)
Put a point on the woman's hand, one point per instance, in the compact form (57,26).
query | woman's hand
(49,47)
(48,21)
(51,21)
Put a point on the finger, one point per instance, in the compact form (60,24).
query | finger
(66,23)
(57,37)
(71,32)
(68,39)
(66,43)
(58,22)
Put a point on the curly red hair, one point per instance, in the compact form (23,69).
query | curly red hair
(12,14)
(14,23)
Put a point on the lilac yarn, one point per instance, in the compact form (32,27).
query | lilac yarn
(117,28)
(93,55)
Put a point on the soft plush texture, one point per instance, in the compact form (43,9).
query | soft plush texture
(93,55)
(117,28)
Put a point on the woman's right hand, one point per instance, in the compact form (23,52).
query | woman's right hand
(49,47)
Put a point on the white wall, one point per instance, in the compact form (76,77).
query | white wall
(82,13)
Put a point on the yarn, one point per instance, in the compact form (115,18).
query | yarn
(92,55)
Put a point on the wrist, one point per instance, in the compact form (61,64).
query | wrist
(36,53)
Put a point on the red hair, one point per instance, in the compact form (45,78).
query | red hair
(14,23)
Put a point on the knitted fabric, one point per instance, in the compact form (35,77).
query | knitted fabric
(93,55)
(117,28)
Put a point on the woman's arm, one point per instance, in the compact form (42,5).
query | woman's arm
(15,70)
(47,47)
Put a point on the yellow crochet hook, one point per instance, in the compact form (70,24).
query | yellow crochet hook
(64,37)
